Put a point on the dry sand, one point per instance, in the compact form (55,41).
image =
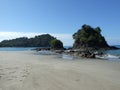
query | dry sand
(27,71)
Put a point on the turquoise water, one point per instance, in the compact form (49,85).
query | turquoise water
(21,48)
(16,48)
(113,52)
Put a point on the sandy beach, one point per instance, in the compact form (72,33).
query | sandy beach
(24,70)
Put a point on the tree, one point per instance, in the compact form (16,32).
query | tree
(89,37)
(97,29)
(56,44)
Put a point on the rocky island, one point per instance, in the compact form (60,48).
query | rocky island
(88,40)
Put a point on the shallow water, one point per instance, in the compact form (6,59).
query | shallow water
(16,48)
(109,57)
(63,56)
(108,54)
(66,57)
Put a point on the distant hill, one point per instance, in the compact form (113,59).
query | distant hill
(91,38)
(37,41)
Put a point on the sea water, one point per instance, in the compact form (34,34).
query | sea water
(16,48)
(111,54)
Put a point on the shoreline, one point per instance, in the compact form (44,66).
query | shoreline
(23,70)
(74,55)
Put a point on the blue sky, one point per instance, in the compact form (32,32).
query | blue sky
(61,18)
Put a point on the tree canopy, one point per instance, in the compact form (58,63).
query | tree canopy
(56,44)
(37,41)
(89,37)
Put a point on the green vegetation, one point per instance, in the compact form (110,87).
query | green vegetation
(85,38)
(37,41)
(88,37)
(56,44)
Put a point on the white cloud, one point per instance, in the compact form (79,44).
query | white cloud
(65,38)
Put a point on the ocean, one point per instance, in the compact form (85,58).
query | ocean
(22,48)
(107,54)
(111,54)
(16,48)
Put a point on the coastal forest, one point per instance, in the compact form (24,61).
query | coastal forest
(37,41)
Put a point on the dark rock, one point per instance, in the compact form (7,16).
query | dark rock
(87,54)
(42,48)
(58,51)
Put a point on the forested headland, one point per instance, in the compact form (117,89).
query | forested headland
(37,41)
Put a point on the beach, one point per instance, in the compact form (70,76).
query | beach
(26,70)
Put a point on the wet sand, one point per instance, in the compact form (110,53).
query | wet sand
(24,70)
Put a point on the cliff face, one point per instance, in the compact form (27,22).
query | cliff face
(88,37)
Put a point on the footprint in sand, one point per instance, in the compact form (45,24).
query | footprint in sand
(2,74)
(9,79)
(0,77)
(24,75)
(77,80)
(12,72)
(8,68)
(1,69)
(13,76)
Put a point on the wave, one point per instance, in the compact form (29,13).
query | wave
(46,52)
(108,57)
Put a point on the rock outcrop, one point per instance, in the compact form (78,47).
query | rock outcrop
(90,38)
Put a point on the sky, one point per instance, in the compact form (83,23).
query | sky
(60,18)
